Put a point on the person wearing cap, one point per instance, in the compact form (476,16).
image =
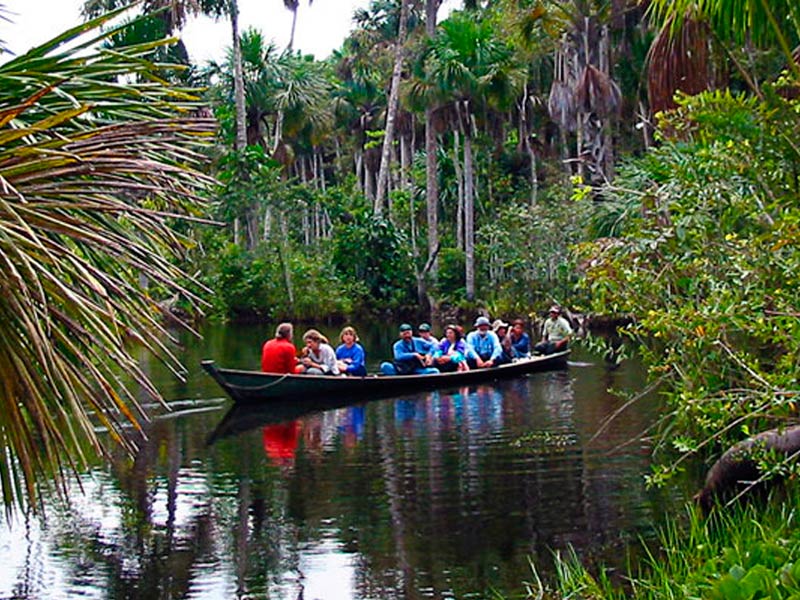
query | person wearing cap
(424,331)
(508,354)
(556,333)
(483,346)
(412,355)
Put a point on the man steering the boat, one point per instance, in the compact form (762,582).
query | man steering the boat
(556,333)
(412,355)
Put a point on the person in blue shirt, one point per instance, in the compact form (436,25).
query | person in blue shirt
(519,339)
(424,331)
(483,346)
(451,355)
(350,355)
(412,355)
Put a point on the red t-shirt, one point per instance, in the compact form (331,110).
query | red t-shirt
(278,356)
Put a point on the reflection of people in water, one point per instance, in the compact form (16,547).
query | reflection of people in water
(352,426)
(280,442)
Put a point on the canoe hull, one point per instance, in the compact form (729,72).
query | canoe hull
(256,387)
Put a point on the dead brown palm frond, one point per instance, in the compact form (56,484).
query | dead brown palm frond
(597,93)
(562,107)
(679,62)
(97,156)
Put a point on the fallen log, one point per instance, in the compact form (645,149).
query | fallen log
(736,473)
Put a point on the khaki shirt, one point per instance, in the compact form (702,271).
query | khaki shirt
(556,330)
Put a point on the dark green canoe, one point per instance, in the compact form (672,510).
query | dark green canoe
(255,386)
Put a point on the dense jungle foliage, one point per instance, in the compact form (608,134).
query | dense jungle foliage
(621,160)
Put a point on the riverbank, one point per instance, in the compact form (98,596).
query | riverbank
(744,551)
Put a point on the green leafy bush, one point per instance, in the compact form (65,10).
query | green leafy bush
(708,262)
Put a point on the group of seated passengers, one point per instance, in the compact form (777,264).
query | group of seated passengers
(317,357)
(488,345)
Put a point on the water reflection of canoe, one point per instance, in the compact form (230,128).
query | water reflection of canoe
(255,386)
(246,417)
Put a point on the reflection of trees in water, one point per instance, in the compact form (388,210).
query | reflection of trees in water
(448,491)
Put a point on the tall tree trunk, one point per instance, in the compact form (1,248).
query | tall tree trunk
(431,166)
(290,45)
(391,115)
(358,159)
(238,80)
(283,249)
(469,217)
(460,190)
(369,182)
(238,96)
(405,162)
(525,136)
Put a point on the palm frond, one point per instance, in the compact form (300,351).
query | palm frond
(97,156)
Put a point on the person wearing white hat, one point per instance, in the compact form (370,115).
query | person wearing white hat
(508,354)
(483,345)
(556,333)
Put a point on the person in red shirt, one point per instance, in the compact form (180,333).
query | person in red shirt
(279,354)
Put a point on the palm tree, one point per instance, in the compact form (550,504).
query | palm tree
(688,29)
(583,96)
(292,6)
(431,167)
(469,68)
(391,113)
(96,158)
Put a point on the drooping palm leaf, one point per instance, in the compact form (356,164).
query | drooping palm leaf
(763,22)
(97,155)
(679,61)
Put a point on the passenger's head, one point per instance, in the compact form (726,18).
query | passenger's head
(284,331)
(424,330)
(351,334)
(313,338)
(555,311)
(518,326)
(453,333)
(482,324)
(500,327)
(406,331)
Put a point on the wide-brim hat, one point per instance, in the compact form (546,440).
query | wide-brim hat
(482,321)
(498,324)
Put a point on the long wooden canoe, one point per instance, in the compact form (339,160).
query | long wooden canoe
(255,386)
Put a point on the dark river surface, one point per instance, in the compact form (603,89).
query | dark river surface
(446,494)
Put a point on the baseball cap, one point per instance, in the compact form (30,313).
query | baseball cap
(424,327)
(406,327)
(482,321)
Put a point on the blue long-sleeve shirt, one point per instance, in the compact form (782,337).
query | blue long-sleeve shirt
(405,350)
(486,346)
(357,358)
(522,345)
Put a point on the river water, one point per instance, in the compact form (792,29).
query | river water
(446,494)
